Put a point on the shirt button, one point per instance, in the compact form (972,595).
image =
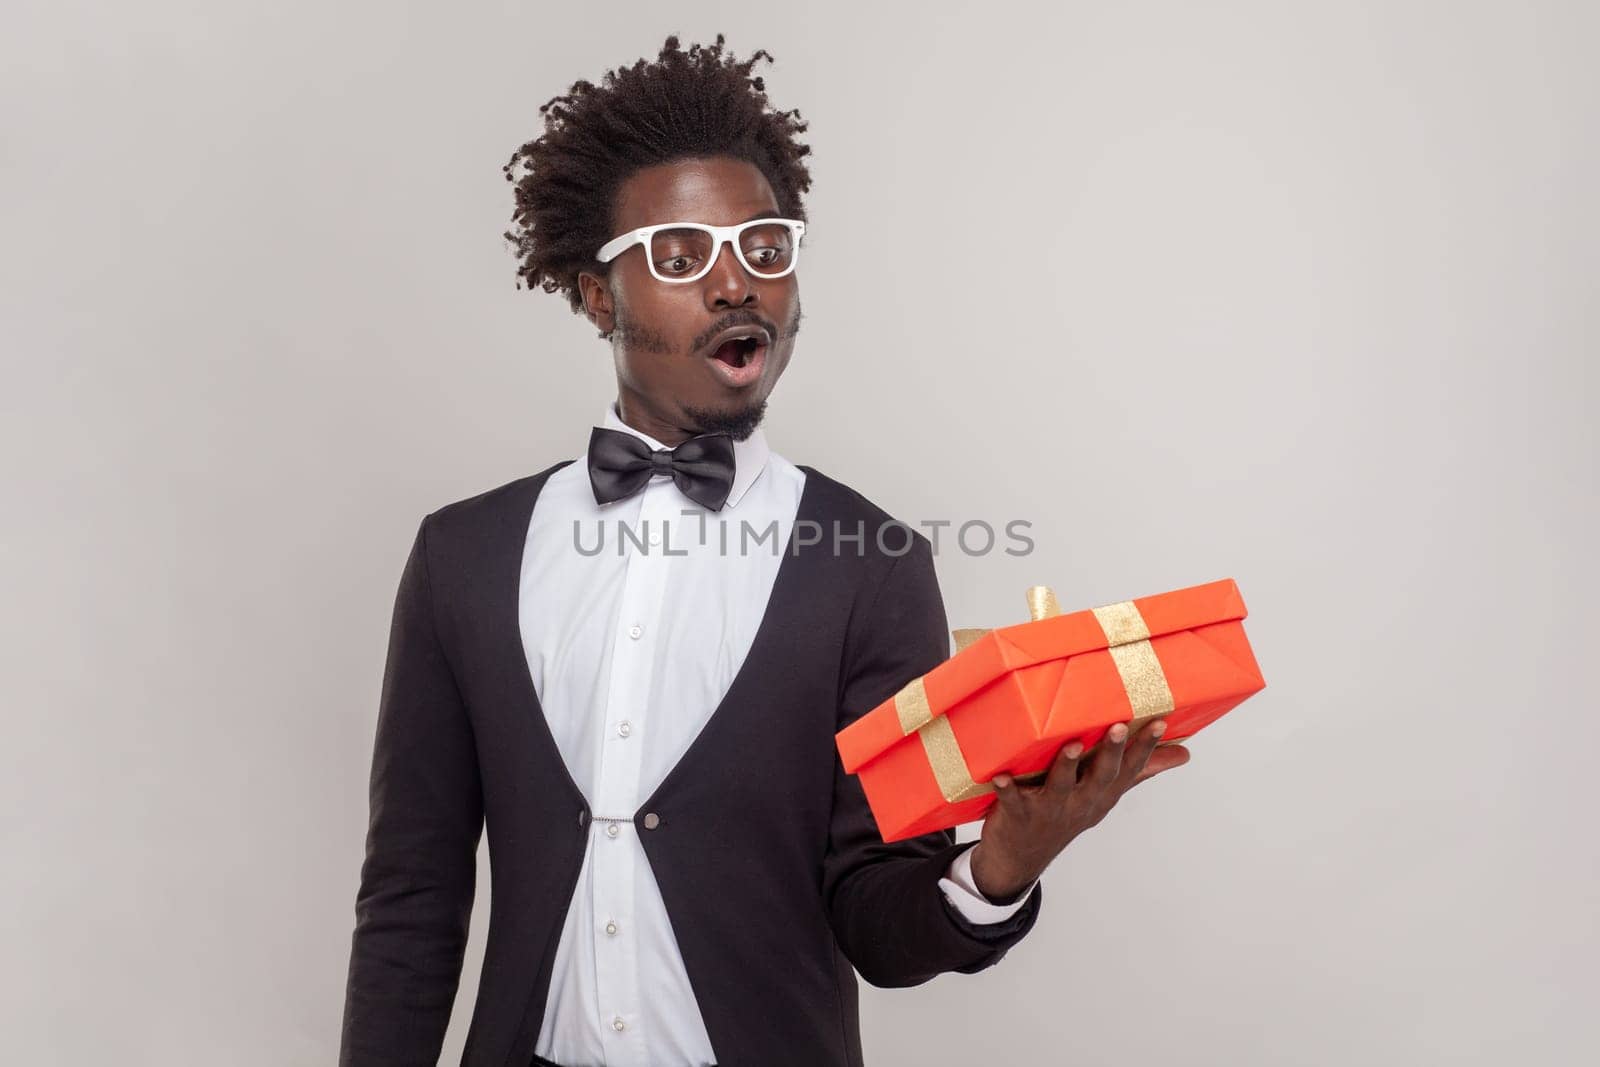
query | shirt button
(635,631)
(618,1024)
(651,820)
(612,829)
(624,728)
(611,927)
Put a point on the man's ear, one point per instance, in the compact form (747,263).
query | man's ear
(597,304)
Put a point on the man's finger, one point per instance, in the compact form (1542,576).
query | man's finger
(1064,771)
(1008,792)
(1162,759)
(1105,765)
(1133,762)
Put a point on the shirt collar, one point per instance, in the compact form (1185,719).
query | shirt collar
(749,455)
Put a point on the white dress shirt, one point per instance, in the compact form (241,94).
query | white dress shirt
(631,651)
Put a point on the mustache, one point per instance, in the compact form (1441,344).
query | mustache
(750,318)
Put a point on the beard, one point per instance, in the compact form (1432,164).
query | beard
(739,423)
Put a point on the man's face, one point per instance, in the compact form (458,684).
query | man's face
(669,381)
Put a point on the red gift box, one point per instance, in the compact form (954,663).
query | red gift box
(1010,698)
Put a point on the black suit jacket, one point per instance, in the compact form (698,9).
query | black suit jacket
(775,878)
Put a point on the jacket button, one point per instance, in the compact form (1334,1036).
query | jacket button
(583,819)
(651,820)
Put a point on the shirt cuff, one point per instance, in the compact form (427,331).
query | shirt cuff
(962,892)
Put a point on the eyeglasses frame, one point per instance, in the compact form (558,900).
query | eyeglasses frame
(719,235)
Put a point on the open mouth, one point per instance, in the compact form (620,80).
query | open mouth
(737,353)
(738,363)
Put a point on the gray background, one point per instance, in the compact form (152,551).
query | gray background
(1299,294)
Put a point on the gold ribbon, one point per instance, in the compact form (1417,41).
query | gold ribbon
(965,638)
(950,768)
(1041,605)
(911,704)
(1128,641)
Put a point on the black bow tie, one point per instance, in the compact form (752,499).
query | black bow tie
(620,464)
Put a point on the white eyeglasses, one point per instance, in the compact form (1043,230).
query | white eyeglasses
(684,251)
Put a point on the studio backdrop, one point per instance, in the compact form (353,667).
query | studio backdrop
(1301,295)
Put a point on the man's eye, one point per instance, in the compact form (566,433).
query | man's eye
(678,265)
(766,255)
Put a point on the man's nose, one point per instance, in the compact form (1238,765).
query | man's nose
(728,284)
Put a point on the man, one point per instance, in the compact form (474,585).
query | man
(631,668)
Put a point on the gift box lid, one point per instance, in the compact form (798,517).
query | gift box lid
(1027,644)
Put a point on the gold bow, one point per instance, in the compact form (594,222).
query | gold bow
(1128,641)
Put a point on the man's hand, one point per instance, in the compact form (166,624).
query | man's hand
(1030,824)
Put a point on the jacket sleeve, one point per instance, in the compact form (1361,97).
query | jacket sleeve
(417,879)
(888,914)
